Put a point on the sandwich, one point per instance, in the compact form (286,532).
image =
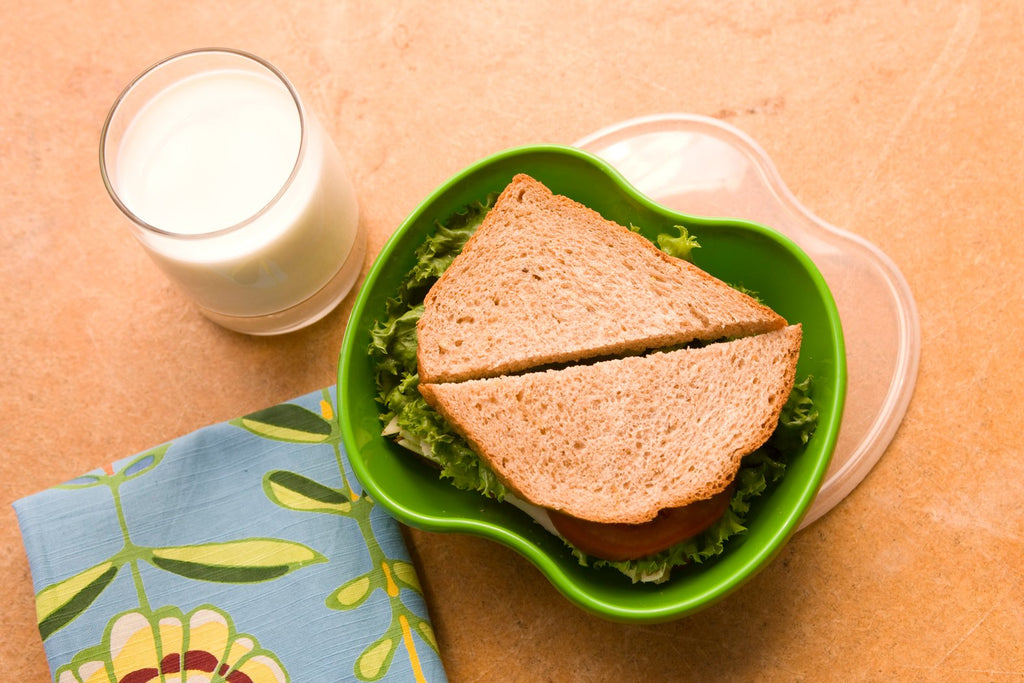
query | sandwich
(628,401)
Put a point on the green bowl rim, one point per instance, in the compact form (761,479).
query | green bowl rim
(829,430)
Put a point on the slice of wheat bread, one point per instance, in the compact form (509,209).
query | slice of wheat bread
(547,280)
(618,440)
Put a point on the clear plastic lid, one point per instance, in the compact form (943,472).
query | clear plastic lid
(701,166)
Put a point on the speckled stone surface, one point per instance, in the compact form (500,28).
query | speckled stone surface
(898,121)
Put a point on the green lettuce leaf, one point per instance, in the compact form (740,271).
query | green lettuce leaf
(740,287)
(415,425)
(798,419)
(681,246)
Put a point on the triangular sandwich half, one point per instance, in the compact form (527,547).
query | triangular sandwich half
(547,280)
(616,441)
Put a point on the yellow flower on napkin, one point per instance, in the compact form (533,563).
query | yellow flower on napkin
(167,646)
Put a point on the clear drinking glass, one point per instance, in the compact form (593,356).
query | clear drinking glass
(235,190)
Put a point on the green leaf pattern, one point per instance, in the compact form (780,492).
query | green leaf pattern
(59,604)
(247,561)
(296,492)
(287,422)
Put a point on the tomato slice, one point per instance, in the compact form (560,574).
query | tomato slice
(632,541)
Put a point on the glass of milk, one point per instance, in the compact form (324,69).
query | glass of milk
(235,190)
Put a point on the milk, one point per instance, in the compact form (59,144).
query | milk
(242,200)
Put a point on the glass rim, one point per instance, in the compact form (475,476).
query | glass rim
(153,68)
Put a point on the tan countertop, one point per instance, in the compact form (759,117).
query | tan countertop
(898,121)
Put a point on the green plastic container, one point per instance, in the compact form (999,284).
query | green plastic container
(735,251)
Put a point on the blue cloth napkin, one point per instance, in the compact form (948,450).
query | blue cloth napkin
(243,552)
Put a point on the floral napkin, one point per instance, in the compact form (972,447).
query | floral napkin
(244,552)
